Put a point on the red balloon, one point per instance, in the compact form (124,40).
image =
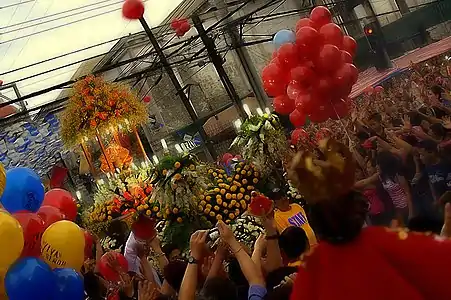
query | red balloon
(378,89)
(321,113)
(226,157)
(320,15)
(297,118)
(303,76)
(299,135)
(147,99)
(105,269)
(144,228)
(288,56)
(185,27)
(308,41)
(133,9)
(50,215)
(89,243)
(274,80)
(329,59)
(344,78)
(179,32)
(304,22)
(305,103)
(346,57)
(175,24)
(349,44)
(33,228)
(324,86)
(331,34)
(283,105)
(293,90)
(62,200)
(341,109)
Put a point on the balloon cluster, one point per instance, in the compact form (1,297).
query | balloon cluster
(311,73)
(133,9)
(44,249)
(181,26)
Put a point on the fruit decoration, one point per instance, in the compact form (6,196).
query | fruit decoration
(229,195)
(260,205)
(180,26)
(133,9)
(261,140)
(312,76)
(179,185)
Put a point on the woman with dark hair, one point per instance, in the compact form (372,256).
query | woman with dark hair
(396,185)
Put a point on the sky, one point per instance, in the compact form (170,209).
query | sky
(28,50)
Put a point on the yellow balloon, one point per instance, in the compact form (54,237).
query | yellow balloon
(11,239)
(2,179)
(2,284)
(62,245)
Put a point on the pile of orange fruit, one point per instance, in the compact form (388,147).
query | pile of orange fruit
(230,194)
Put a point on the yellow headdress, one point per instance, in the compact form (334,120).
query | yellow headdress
(324,175)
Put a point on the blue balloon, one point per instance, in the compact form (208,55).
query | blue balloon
(23,191)
(30,278)
(69,285)
(283,37)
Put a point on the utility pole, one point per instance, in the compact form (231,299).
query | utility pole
(251,73)
(217,61)
(177,86)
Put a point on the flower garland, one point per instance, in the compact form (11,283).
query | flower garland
(96,106)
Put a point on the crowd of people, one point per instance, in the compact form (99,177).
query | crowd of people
(400,139)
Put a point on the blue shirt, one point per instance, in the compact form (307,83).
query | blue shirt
(256,292)
(440,178)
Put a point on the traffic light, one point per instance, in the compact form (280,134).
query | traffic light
(378,49)
(368,31)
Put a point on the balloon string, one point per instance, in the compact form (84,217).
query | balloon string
(342,124)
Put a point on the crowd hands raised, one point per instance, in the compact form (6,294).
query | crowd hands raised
(225,269)
(401,140)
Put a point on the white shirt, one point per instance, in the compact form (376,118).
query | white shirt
(131,255)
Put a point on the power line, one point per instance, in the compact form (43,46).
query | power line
(59,26)
(60,56)
(9,22)
(55,14)
(28,40)
(60,18)
(16,4)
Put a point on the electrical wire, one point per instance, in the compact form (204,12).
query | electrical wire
(17,4)
(28,39)
(59,26)
(53,15)
(9,22)
(60,18)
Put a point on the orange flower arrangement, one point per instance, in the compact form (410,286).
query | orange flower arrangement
(96,106)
